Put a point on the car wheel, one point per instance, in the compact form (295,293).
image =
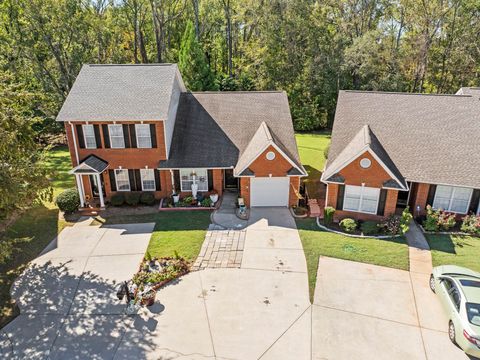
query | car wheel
(432,283)
(451,332)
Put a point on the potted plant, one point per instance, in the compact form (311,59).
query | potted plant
(148,297)
(176,197)
(214,197)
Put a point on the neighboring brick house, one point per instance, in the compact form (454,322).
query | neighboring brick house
(136,128)
(390,150)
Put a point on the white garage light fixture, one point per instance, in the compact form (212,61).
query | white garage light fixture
(270,155)
(365,163)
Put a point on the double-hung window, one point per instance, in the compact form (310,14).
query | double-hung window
(89,136)
(117,140)
(123,181)
(144,139)
(148,179)
(452,198)
(187,177)
(361,199)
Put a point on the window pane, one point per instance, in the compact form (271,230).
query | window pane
(116,136)
(123,182)
(89,135)
(201,179)
(442,197)
(351,200)
(369,200)
(462,193)
(148,179)
(144,139)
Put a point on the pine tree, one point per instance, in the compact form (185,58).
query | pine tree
(193,64)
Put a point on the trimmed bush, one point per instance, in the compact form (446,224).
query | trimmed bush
(328,213)
(369,228)
(117,199)
(431,222)
(132,198)
(471,224)
(348,225)
(147,198)
(68,200)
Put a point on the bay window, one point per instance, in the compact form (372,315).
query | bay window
(148,179)
(452,198)
(117,140)
(361,199)
(89,136)
(122,179)
(187,176)
(144,139)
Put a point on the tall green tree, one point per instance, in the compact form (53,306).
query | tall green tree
(193,64)
(22,174)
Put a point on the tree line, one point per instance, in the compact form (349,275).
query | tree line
(309,48)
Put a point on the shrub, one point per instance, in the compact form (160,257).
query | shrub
(68,200)
(147,198)
(132,198)
(369,227)
(446,221)
(206,202)
(348,225)
(392,224)
(117,199)
(326,150)
(431,222)
(438,220)
(328,213)
(471,224)
(405,220)
(188,200)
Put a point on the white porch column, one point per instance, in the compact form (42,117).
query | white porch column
(80,190)
(100,190)
(173,181)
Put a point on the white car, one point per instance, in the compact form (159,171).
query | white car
(459,291)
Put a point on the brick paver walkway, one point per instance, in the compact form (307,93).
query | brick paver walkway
(221,249)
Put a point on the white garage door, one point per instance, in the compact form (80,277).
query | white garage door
(266,191)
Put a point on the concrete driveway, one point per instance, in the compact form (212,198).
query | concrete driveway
(365,309)
(68,307)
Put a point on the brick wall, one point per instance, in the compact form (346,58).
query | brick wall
(419,198)
(276,167)
(374,176)
(245,190)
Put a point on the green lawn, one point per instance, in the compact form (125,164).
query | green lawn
(311,148)
(178,231)
(455,250)
(33,230)
(391,253)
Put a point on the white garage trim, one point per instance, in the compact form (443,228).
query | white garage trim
(269,191)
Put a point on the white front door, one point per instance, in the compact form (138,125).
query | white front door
(269,191)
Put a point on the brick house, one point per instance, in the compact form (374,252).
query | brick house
(136,128)
(390,150)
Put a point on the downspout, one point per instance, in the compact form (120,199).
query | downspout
(173,182)
(75,143)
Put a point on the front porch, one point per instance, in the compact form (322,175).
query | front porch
(90,183)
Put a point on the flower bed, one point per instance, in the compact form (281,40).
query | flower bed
(201,201)
(443,222)
(151,276)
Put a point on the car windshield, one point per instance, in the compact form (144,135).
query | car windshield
(473,313)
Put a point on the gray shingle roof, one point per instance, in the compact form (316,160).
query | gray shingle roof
(91,163)
(213,129)
(474,91)
(120,92)
(430,138)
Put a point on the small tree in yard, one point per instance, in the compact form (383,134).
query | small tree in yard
(193,64)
